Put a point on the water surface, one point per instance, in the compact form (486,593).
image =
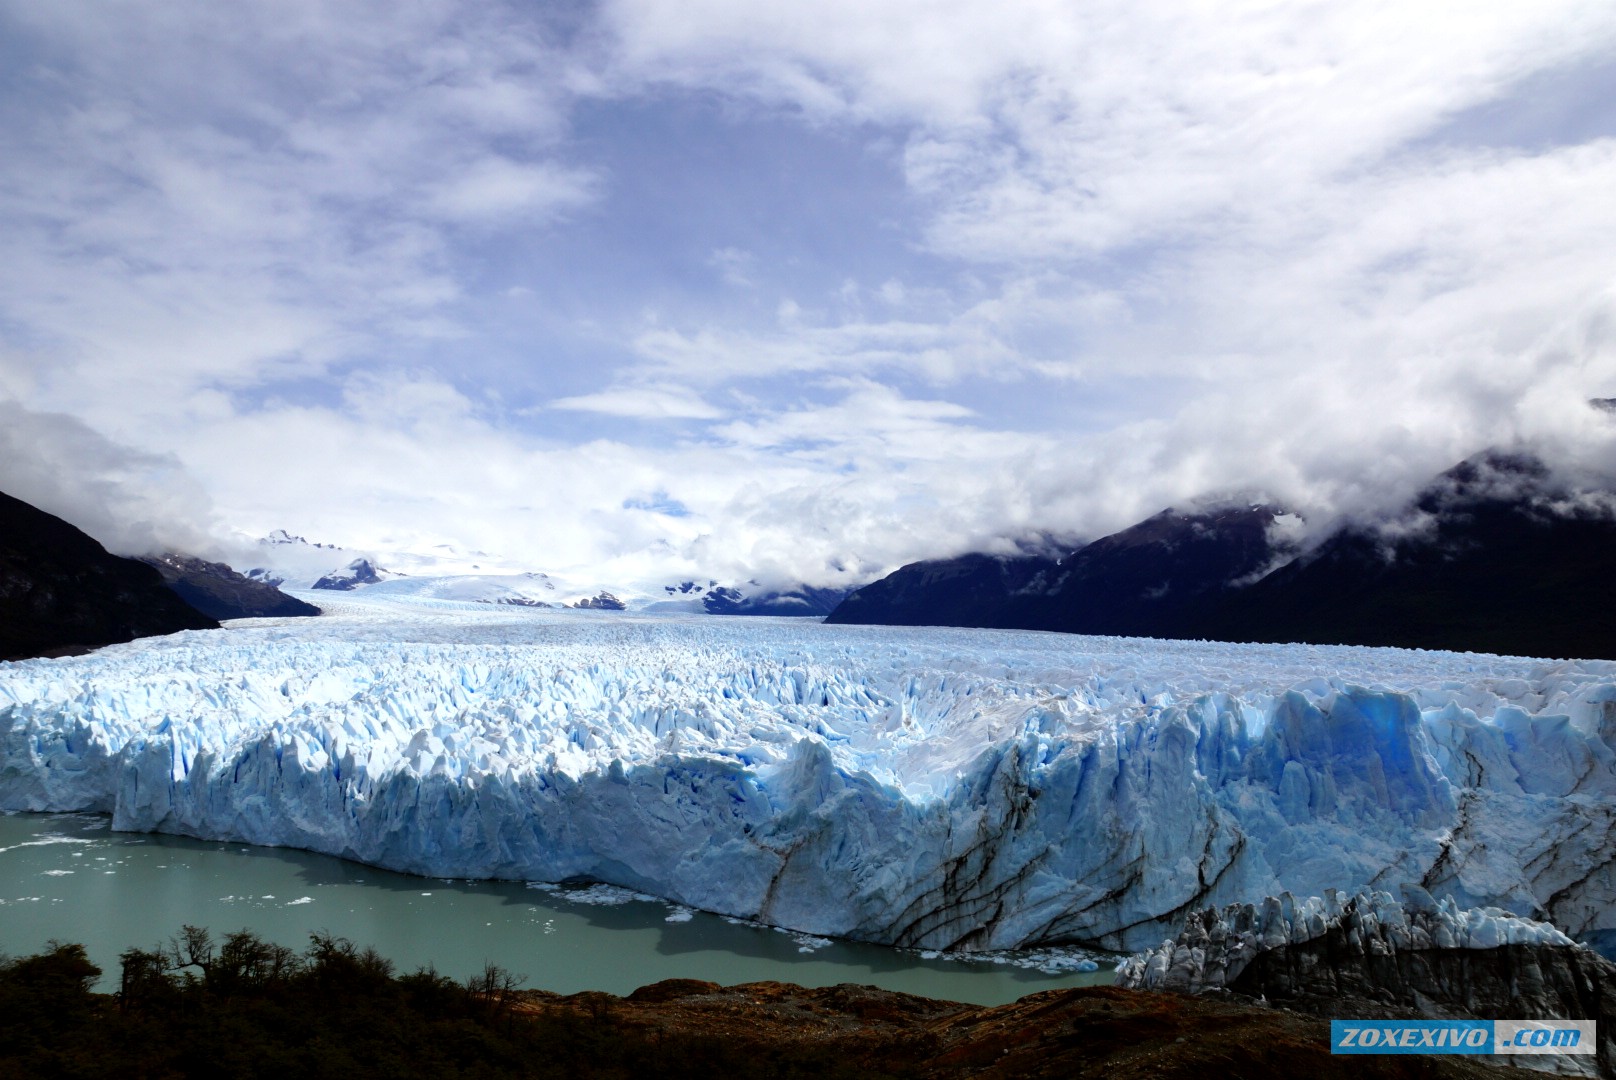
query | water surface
(70,877)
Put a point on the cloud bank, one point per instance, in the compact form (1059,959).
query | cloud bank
(133,503)
(846,284)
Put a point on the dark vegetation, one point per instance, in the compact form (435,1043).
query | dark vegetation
(62,593)
(243,1007)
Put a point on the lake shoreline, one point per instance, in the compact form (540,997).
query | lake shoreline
(68,875)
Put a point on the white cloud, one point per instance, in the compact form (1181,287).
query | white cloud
(643,403)
(242,241)
(871,420)
(134,503)
(195,198)
(1053,129)
(495,189)
(940,352)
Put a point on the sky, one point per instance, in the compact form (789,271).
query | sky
(796,292)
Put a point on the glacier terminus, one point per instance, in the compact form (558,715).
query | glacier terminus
(923,787)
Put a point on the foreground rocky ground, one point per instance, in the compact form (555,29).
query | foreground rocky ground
(243,1007)
(1099,1032)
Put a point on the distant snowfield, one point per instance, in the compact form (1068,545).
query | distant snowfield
(934,788)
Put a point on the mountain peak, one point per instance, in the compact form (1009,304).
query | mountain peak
(357,573)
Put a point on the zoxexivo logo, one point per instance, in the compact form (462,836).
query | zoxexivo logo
(1462,1037)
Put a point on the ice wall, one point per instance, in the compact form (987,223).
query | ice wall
(934,788)
(1217,946)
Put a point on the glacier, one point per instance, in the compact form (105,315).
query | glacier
(923,787)
(1216,947)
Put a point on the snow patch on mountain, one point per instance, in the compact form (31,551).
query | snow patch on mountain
(355,575)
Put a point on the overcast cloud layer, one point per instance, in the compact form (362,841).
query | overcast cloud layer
(788,291)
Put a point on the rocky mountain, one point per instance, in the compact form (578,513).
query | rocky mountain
(1152,580)
(971,590)
(355,574)
(1495,555)
(281,536)
(749,599)
(801,600)
(292,561)
(61,592)
(605,601)
(220,592)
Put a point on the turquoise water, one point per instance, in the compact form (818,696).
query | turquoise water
(70,877)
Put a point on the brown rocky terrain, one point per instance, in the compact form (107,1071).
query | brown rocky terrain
(1095,1032)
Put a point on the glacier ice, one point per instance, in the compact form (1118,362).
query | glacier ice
(933,788)
(1216,946)
(1333,955)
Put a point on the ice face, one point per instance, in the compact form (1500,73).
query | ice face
(927,787)
(1217,945)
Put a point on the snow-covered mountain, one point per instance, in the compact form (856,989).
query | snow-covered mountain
(440,572)
(285,560)
(933,788)
(355,575)
(444,572)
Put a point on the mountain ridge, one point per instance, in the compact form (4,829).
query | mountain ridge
(61,592)
(219,592)
(1493,555)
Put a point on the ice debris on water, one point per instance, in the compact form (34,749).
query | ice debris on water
(929,788)
(596,895)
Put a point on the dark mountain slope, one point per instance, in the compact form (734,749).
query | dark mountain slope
(1152,580)
(1159,576)
(219,592)
(1494,556)
(752,599)
(801,600)
(61,592)
(972,590)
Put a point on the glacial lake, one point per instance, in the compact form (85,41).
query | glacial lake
(70,877)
